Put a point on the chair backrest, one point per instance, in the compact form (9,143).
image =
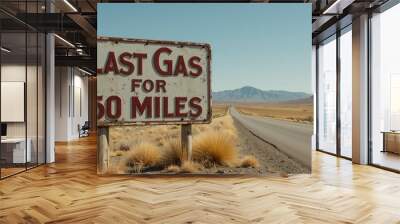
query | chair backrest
(86,125)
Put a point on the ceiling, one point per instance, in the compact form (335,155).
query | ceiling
(75,21)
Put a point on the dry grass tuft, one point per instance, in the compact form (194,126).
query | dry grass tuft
(143,156)
(249,161)
(215,147)
(214,144)
(232,133)
(190,167)
(172,152)
(173,169)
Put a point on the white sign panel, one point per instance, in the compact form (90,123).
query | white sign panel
(145,81)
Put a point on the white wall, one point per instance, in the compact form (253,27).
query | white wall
(71,102)
(62,81)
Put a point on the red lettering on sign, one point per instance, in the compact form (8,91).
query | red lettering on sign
(146,107)
(140,57)
(157,107)
(180,66)
(135,83)
(116,100)
(195,106)
(180,103)
(160,84)
(167,63)
(123,59)
(100,107)
(193,64)
(111,64)
(148,85)
(141,107)
(166,113)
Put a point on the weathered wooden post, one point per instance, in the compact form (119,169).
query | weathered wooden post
(102,150)
(186,141)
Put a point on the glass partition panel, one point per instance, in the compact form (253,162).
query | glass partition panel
(31,98)
(385,89)
(327,95)
(14,153)
(346,92)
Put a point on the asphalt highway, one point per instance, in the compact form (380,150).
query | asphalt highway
(292,138)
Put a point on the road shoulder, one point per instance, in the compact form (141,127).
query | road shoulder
(271,159)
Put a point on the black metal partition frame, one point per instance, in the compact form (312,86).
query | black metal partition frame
(24,47)
(339,32)
(388,4)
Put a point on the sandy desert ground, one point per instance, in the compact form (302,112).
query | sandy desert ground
(299,112)
(219,109)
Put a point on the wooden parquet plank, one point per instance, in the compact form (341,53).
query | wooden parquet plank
(69,191)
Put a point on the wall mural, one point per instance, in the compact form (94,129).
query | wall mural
(194,89)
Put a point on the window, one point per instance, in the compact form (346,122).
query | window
(385,89)
(327,95)
(346,92)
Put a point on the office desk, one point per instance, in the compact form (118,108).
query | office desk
(13,150)
(391,141)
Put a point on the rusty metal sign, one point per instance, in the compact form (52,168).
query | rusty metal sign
(152,82)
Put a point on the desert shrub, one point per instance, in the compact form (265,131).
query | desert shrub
(214,147)
(249,161)
(224,123)
(124,147)
(173,169)
(143,156)
(190,167)
(172,152)
(232,133)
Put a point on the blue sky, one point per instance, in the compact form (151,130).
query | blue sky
(267,46)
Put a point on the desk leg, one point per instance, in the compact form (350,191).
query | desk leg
(384,142)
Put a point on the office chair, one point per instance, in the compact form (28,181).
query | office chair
(84,130)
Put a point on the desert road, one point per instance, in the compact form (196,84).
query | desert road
(293,139)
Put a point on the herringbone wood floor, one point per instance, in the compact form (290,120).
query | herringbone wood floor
(69,191)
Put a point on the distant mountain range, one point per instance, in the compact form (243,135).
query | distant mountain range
(251,94)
